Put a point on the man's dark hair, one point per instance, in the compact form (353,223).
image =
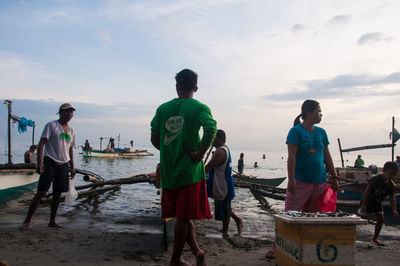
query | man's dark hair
(221,135)
(33,147)
(186,80)
(390,166)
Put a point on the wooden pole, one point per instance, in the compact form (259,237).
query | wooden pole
(393,138)
(33,133)
(341,153)
(8,102)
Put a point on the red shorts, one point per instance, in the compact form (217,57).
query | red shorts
(187,203)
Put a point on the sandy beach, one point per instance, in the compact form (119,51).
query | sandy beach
(92,246)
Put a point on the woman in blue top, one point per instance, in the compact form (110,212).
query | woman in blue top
(308,153)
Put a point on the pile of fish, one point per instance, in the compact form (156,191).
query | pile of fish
(316,214)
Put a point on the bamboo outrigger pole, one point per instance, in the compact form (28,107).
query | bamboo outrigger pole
(341,153)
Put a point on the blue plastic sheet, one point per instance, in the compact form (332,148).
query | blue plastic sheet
(23,123)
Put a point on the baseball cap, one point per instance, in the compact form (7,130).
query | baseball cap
(66,106)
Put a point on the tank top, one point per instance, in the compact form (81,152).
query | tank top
(220,184)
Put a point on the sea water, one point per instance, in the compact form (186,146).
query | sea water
(136,207)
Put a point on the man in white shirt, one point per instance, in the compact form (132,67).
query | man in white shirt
(57,141)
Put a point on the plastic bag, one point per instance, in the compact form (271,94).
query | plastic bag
(71,195)
(327,203)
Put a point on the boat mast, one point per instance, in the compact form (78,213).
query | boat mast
(393,138)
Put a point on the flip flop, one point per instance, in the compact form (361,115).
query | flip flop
(378,242)
(270,255)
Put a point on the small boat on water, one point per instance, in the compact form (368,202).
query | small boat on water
(16,177)
(111,152)
(272,182)
(116,153)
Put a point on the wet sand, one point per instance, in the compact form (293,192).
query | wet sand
(92,246)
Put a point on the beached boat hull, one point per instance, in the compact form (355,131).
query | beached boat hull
(273,182)
(16,180)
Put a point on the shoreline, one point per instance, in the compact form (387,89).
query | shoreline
(74,245)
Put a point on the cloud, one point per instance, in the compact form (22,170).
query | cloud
(372,37)
(342,86)
(339,19)
(298,27)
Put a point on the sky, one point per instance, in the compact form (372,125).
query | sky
(257,61)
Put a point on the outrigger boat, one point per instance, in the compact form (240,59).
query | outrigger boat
(16,177)
(356,179)
(272,182)
(114,153)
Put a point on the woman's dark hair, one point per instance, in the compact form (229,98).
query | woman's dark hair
(186,80)
(390,166)
(221,135)
(307,106)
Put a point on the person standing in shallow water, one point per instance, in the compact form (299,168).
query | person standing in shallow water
(220,184)
(241,163)
(308,158)
(175,132)
(57,141)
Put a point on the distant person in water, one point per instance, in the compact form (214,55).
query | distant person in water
(241,163)
(87,146)
(255,165)
(264,156)
(57,141)
(379,187)
(308,159)
(175,132)
(359,163)
(28,156)
(220,184)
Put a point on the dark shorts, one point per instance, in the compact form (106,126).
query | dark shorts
(375,208)
(55,173)
(222,209)
(188,203)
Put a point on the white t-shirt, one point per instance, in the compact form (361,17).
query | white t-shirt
(58,142)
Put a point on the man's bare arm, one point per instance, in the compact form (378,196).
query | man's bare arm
(155,141)
(42,142)
(71,162)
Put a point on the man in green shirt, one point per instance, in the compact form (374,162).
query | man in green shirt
(175,132)
(359,163)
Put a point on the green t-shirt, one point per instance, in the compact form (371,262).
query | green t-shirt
(177,123)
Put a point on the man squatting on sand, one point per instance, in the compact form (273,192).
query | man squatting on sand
(220,184)
(175,132)
(57,140)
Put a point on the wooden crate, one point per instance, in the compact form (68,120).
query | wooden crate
(315,241)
